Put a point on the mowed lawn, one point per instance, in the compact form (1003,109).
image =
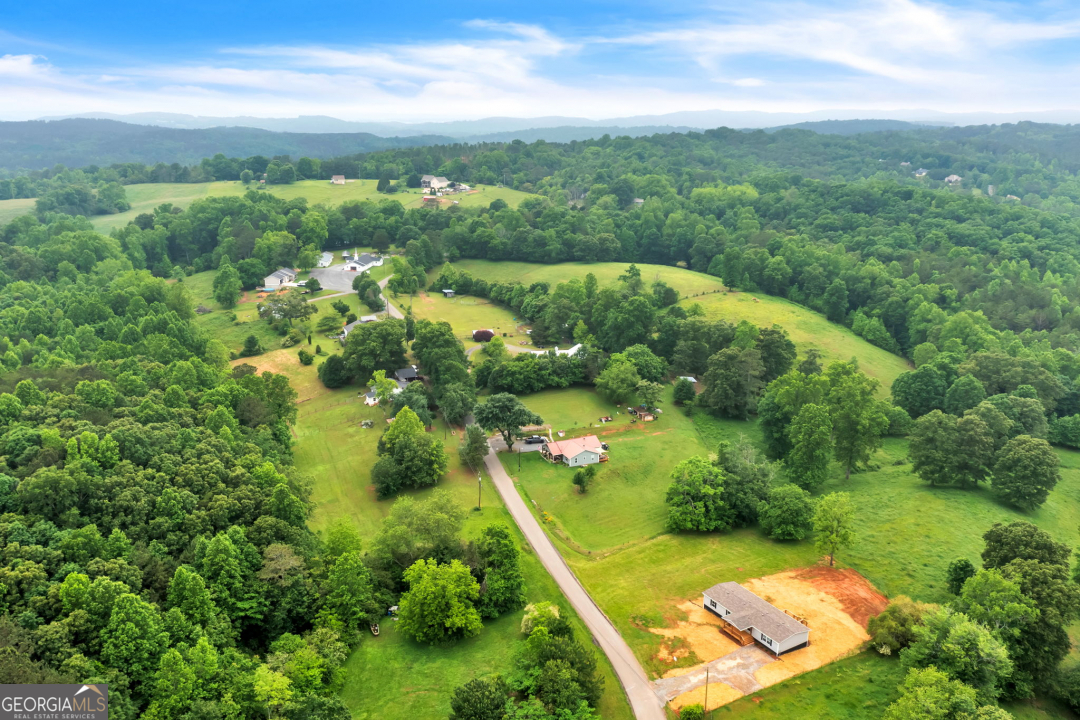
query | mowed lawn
(467,313)
(391,676)
(144,197)
(625,502)
(218,323)
(687,282)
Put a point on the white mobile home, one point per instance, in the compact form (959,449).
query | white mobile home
(766,623)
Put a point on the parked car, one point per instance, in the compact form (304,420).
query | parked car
(604,445)
(534,440)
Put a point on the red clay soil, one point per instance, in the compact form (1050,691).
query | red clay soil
(857,596)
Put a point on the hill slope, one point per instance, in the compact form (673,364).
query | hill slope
(805,327)
(81,142)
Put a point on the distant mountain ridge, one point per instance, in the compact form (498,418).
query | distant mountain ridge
(492,127)
(80,142)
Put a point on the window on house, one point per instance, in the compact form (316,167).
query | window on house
(712,603)
(766,639)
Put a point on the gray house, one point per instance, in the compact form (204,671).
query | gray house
(767,624)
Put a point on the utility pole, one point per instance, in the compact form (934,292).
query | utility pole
(479,486)
(706,688)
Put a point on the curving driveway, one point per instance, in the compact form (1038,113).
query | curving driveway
(336,278)
(643,701)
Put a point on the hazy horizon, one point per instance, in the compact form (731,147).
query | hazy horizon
(593,60)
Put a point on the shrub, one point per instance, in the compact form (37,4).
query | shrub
(482,335)
(692,712)
(583,478)
(306,358)
(318,349)
(350,318)
(787,513)
(684,391)
(894,629)
(295,337)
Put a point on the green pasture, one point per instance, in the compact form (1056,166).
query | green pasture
(391,676)
(614,536)
(465,314)
(144,197)
(687,282)
(806,328)
(11,209)
(625,502)
(859,687)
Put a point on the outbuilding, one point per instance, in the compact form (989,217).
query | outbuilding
(575,451)
(767,624)
(337,180)
(448,293)
(406,375)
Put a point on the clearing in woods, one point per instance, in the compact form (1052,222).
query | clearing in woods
(413,680)
(144,197)
(805,327)
(467,313)
(835,604)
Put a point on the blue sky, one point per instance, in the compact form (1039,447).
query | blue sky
(443,61)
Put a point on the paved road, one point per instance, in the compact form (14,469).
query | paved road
(393,311)
(643,701)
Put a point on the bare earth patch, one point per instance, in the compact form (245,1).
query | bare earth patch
(834,604)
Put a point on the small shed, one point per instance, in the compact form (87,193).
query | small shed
(370,399)
(778,631)
(448,293)
(408,374)
(689,378)
(337,180)
(953,179)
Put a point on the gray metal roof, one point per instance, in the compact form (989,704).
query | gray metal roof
(748,610)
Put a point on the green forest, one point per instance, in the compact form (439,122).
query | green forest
(156,527)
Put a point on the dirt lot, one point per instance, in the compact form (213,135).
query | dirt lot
(834,604)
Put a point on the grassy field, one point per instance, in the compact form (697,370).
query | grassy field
(614,539)
(626,500)
(11,209)
(466,313)
(390,676)
(806,328)
(146,197)
(687,282)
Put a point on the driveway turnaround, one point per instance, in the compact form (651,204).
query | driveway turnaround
(643,700)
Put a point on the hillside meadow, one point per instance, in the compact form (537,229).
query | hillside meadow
(805,327)
(389,676)
(144,197)
(907,533)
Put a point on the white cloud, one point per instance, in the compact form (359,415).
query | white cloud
(784,56)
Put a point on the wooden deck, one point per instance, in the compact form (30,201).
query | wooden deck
(741,637)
